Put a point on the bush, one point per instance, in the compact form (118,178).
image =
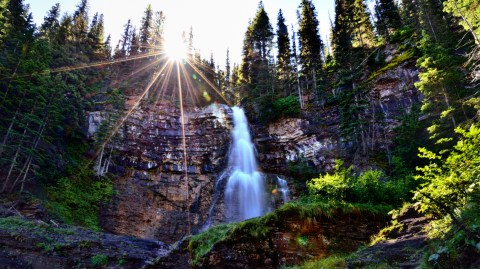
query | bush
(301,170)
(450,191)
(75,195)
(287,107)
(371,186)
(401,35)
(99,260)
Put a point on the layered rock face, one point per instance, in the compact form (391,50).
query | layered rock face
(317,136)
(156,198)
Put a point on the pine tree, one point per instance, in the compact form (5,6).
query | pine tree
(295,68)
(158,24)
(284,67)
(388,18)
(310,45)
(80,24)
(247,57)
(125,41)
(190,48)
(134,43)
(51,23)
(361,25)
(228,72)
(262,40)
(146,30)
(96,37)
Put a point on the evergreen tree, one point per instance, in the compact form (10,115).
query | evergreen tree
(295,68)
(158,24)
(80,24)
(341,34)
(410,15)
(361,25)
(388,18)
(469,12)
(190,48)
(228,72)
(96,38)
(134,43)
(257,54)
(310,45)
(284,67)
(124,43)
(247,57)
(51,24)
(146,30)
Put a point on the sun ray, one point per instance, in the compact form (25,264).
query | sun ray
(209,82)
(165,83)
(84,66)
(184,142)
(138,71)
(134,106)
(190,87)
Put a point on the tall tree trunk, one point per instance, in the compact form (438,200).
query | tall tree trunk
(470,29)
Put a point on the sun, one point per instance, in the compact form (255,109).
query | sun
(175,48)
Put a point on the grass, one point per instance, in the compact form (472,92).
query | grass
(334,261)
(407,55)
(99,260)
(201,244)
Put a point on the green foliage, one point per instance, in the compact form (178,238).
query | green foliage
(371,186)
(334,261)
(99,260)
(75,199)
(399,59)
(301,170)
(286,107)
(450,191)
(468,11)
(406,140)
(402,35)
(202,243)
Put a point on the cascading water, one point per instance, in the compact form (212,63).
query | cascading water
(283,189)
(245,191)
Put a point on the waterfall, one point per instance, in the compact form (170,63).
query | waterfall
(245,191)
(283,189)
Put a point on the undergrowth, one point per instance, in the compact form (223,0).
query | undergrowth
(201,244)
(334,261)
(75,198)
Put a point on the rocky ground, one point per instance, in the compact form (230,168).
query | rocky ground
(400,246)
(33,243)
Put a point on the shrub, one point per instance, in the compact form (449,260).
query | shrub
(99,260)
(287,107)
(371,186)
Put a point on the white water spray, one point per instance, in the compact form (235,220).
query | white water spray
(245,191)
(283,189)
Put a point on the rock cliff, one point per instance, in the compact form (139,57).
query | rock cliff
(155,198)
(316,136)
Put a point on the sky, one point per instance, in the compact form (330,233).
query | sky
(218,25)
